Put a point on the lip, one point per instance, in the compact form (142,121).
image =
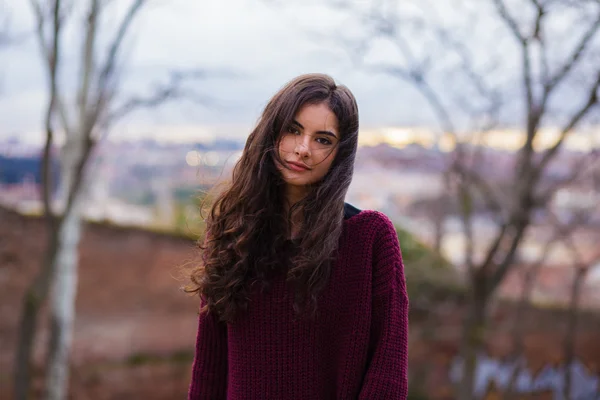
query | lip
(297,166)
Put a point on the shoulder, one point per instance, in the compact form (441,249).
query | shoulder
(373,224)
(372,219)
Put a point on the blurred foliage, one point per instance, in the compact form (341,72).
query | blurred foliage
(429,276)
(187,221)
(188,194)
(185,356)
(416,395)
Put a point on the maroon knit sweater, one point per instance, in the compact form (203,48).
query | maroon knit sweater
(356,348)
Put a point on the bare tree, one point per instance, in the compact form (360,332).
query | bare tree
(84,124)
(525,71)
(582,264)
(562,234)
(38,291)
(530,274)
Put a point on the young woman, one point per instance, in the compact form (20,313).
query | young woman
(302,295)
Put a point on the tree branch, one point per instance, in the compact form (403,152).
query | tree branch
(573,59)
(47,183)
(538,35)
(583,165)
(510,21)
(533,112)
(48,55)
(495,246)
(92,112)
(174,89)
(110,62)
(414,73)
(591,102)
(492,96)
(498,275)
(486,190)
(466,212)
(88,63)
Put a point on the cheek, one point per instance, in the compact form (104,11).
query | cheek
(286,145)
(327,162)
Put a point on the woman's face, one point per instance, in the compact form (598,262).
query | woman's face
(309,145)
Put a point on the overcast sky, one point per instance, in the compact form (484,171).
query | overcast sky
(261,43)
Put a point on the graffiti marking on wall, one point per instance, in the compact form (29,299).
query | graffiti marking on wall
(584,384)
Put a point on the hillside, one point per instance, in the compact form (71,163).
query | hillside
(135,329)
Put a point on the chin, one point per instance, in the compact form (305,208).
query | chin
(298,182)
(302,178)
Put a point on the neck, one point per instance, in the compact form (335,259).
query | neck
(294,194)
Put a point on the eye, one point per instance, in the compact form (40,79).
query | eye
(293,130)
(324,141)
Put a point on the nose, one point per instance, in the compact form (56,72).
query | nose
(302,148)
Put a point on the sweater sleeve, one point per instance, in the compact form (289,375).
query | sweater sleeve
(386,376)
(209,369)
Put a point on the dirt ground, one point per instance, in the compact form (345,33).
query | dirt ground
(134,329)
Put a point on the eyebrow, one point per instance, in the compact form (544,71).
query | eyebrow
(328,133)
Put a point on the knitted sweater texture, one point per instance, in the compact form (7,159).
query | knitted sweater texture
(356,347)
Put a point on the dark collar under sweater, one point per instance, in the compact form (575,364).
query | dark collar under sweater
(350,211)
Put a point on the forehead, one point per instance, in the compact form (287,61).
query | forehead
(317,117)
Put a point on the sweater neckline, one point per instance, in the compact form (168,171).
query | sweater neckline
(350,211)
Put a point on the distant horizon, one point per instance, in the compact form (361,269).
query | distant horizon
(397,136)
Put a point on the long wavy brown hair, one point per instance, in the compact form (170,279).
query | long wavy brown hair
(247,228)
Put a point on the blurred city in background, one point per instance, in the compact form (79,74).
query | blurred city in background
(479,138)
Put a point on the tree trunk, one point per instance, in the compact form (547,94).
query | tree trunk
(439,218)
(64,285)
(32,302)
(27,330)
(473,339)
(519,330)
(571,334)
(62,309)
